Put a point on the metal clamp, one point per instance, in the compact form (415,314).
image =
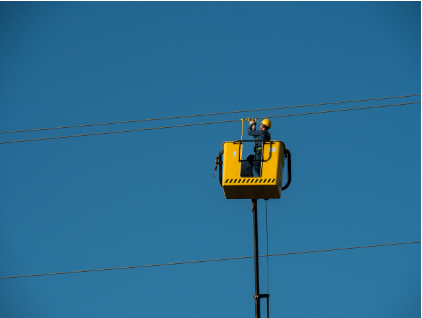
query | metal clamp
(250,119)
(257,297)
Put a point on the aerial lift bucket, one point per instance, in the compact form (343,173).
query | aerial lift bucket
(236,176)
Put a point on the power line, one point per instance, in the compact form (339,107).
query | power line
(209,123)
(211,260)
(210,114)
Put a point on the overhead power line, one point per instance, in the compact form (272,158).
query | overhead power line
(209,123)
(199,115)
(211,260)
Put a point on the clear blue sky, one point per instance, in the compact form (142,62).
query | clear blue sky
(150,197)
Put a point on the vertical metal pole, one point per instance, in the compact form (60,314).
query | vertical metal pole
(256,258)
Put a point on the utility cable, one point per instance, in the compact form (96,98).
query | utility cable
(211,260)
(199,115)
(209,123)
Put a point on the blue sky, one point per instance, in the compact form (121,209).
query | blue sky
(150,197)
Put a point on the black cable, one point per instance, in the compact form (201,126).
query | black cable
(210,114)
(211,260)
(210,123)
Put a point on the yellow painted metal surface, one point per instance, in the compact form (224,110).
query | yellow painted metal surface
(237,185)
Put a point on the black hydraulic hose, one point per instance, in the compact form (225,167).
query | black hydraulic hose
(289,169)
